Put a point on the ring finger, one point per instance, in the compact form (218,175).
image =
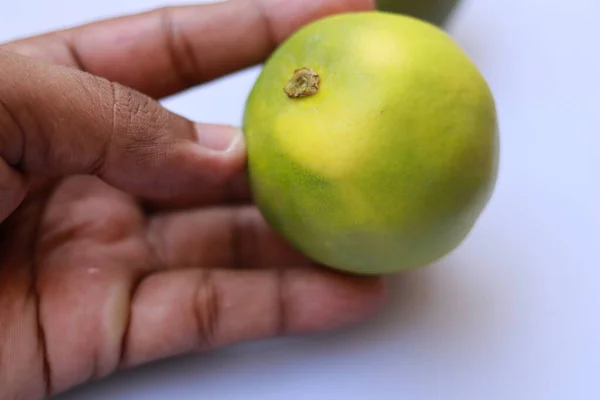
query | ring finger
(221,237)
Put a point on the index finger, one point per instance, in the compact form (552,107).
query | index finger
(166,50)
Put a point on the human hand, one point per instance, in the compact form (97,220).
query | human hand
(127,232)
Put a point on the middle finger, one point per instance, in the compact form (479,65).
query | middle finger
(223,237)
(170,49)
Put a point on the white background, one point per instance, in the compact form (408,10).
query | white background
(514,313)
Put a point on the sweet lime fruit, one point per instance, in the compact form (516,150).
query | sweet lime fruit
(434,11)
(372,142)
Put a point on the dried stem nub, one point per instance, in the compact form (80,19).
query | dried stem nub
(305,82)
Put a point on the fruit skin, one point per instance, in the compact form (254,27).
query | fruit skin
(389,165)
(434,11)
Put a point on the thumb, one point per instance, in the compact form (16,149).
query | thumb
(56,121)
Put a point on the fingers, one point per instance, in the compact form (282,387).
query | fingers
(104,302)
(226,237)
(187,45)
(59,121)
(181,311)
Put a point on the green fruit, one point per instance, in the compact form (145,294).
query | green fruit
(372,142)
(434,11)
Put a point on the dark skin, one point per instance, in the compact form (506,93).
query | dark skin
(127,232)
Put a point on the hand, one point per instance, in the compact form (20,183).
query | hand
(127,232)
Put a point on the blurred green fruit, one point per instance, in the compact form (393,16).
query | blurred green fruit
(434,11)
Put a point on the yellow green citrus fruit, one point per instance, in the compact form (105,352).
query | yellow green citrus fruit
(372,142)
(434,11)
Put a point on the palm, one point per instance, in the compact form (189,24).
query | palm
(106,285)
(85,247)
(69,252)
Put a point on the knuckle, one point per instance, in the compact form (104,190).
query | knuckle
(207,308)
(137,127)
(11,134)
(179,48)
(266,21)
(282,303)
(17,118)
(243,239)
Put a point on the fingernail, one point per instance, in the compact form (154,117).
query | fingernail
(219,137)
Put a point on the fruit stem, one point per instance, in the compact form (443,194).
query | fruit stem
(305,82)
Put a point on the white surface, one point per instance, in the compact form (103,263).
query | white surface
(514,313)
